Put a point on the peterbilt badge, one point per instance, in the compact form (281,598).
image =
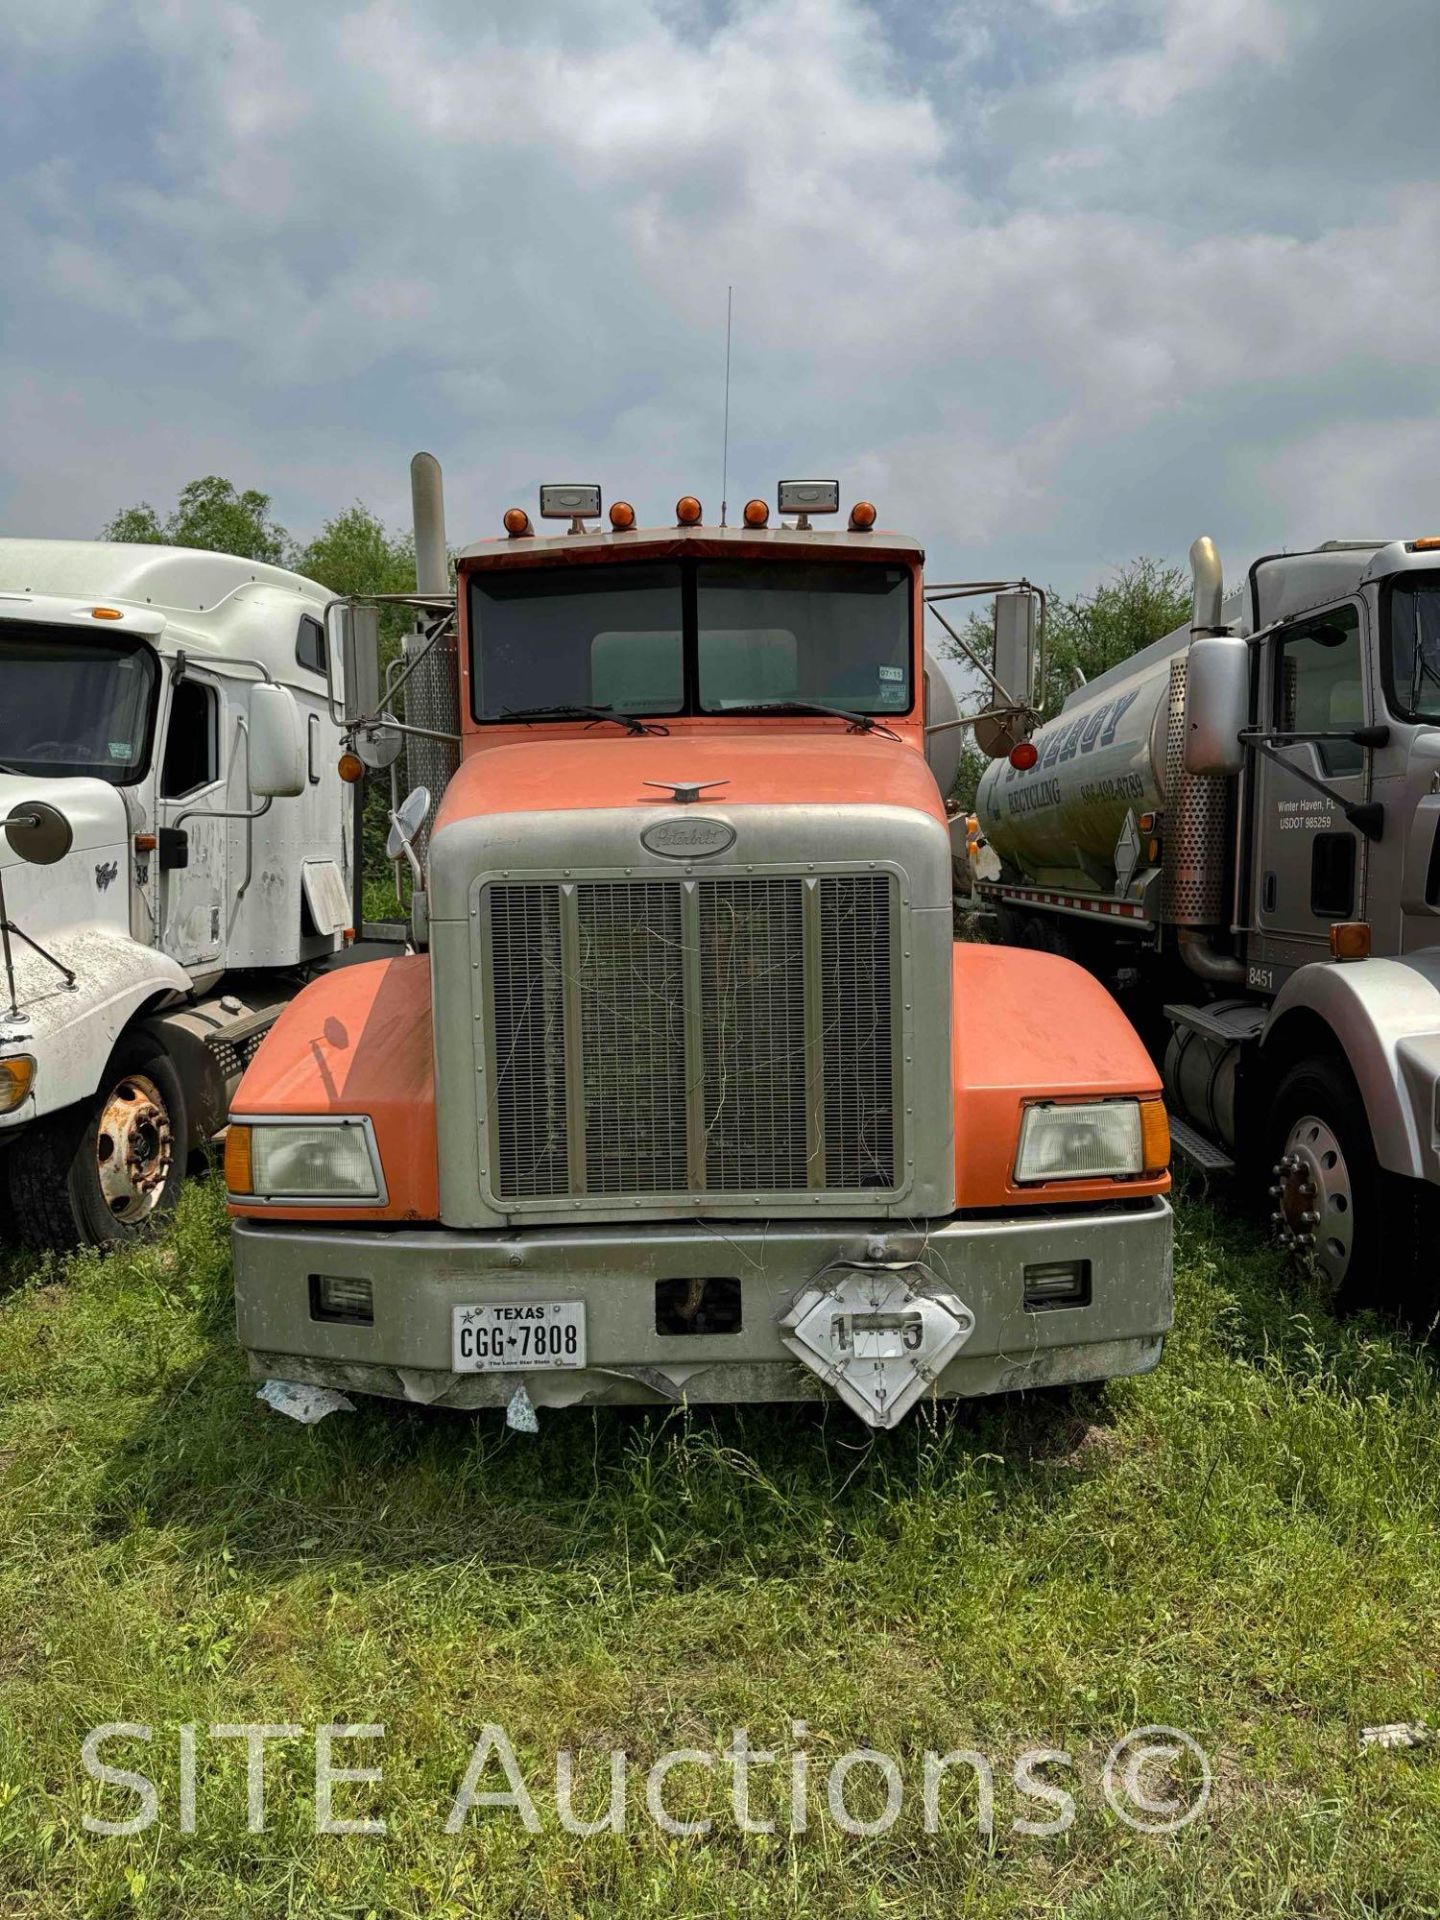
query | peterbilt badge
(688,838)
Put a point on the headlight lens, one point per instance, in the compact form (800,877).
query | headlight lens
(311,1160)
(1081,1142)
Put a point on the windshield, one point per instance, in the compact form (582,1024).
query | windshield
(672,637)
(75,705)
(1415,646)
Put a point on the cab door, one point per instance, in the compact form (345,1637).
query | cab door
(192,854)
(1309,864)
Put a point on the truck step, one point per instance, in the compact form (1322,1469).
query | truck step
(1221,1019)
(1198,1149)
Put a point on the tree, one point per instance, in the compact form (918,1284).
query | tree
(355,553)
(211,514)
(1096,631)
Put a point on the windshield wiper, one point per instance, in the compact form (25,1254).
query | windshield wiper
(630,722)
(859,722)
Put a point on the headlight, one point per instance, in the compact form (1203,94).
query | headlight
(17,1076)
(303,1160)
(1102,1140)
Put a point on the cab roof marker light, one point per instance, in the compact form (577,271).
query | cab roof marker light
(688,511)
(862,516)
(517,522)
(106,613)
(757,513)
(622,516)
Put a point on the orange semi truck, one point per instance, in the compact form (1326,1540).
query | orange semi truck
(688,1093)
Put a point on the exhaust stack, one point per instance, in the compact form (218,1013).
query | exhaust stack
(427,503)
(1209,591)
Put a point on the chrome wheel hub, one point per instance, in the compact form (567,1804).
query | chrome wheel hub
(1314,1204)
(134,1146)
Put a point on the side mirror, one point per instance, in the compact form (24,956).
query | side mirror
(944,737)
(277,746)
(38,833)
(1015,611)
(1217,703)
(359,652)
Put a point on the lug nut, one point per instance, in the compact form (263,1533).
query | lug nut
(1309,1219)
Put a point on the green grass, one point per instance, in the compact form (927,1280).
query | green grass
(1242,1545)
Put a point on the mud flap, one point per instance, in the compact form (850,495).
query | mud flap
(877,1335)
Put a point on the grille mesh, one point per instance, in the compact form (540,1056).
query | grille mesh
(694,1067)
(857,1004)
(527,985)
(632,987)
(752,985)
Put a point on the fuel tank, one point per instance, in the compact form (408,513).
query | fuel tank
(1101,757)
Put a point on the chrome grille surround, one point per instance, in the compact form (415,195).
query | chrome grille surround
(714,1038)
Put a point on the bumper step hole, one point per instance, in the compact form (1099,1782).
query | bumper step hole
(697,1306)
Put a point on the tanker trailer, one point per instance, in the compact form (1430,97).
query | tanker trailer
(1241,824)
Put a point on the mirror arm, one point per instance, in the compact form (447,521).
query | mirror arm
(7,928)
(968,651)
(971,719)
(1367,817)
(969,590)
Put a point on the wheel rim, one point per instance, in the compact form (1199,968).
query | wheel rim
(1314,1197)
(134,1148)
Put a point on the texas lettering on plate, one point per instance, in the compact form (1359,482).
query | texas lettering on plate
(501,1336)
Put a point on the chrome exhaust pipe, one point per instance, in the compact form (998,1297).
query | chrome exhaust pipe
(1209,588)
(427,505)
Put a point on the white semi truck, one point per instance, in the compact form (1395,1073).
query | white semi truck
(1244,819)
(176,855)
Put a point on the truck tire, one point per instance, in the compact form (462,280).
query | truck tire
(101,1173)
(1364,1225)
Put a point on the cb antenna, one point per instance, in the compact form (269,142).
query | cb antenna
(725,440)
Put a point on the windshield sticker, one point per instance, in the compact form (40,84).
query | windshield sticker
(892,696)
(119,749)
(892,673)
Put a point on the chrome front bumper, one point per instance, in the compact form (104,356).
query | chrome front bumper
(976,1265)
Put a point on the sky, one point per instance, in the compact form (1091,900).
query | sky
(1055,282)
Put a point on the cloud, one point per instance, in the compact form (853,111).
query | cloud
(1197,47)
(1029,272)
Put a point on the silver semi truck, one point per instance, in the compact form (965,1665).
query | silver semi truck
(1242,824)
(176,854)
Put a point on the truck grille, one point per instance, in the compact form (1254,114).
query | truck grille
(731,1036)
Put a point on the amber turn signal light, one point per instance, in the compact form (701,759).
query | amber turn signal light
(350,768)
(688,510)
(1023,755)
(517,521)
(1154,1135)
(622,516)
(862,516)
(17,1076)
(238,1175)
(106,613)
(757,513)
(1350,940)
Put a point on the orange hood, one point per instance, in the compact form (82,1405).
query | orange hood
(760,767)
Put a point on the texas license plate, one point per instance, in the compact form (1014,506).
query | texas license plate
(515,1335)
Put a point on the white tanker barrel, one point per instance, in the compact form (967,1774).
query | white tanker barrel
(1100,758)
